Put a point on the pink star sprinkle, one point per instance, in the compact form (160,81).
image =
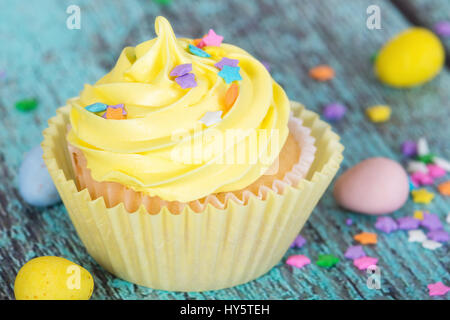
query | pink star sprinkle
(298,261)
(435,171)
(437,289)
(364,262)
(212,39)
(421,179)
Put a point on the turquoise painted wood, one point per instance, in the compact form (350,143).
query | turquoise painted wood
(44,59)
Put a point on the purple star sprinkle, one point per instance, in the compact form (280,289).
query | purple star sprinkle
(181,70)
(298,242)
(334,111)
(266,65)
(409,148)
(186,81)
(227,62)
(349,222)
(354,252)
(386,224)
(431,222)
(442,28)
(438,235)
(408,223)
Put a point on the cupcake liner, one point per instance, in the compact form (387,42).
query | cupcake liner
(115,193)
(214,249)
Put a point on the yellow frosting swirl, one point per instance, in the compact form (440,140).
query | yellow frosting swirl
(139,151)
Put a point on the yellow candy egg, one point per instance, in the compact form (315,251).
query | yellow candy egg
(53,278)
(413,57)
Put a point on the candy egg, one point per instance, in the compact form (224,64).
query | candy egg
(53,278)
(413,57)
(35,184)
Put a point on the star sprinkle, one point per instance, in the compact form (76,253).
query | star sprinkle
(379,113)
(438,235)
(211,117)
(212,39)
(409,148)
(181,70)
(408,223)
(418,215)
(416,236)
(198,52)
(426,158)
(444,188)
(186,81)
(421,179)
(230,74)
(435,171)
(431,245)
(322,73)
(417,166)
(442,28)
(226,62)
(231,96)
(298,261)
(327,260)
(115,112)
(26,105)
(386,224)
(437,289)
(354,252)
(199,43)
(365,262)
(334,111)
(299,242)
(422,196)
(97,107)
(431,222)
(422,147)
(366,238)
(444,164)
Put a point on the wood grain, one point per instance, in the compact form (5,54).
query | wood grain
(44,59)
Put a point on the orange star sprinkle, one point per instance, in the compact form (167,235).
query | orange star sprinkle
(322,73)
(115,114)
(366,238)
(231,96)
(444,188)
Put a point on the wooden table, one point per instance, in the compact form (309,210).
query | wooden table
(44,59)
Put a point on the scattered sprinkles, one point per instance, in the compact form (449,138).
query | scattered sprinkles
(212,39)
(409,148)
(198,52)
(226,62)
(186,81)
(431,222)
(444,188)
(448,218)
(422,147)
(416,236)
(418,215)
(26,105)
(379,113)
(181,70)
(97,107)
(408,223)
(437,289)
(349,222)
(298,261)
(422,196)
(431,245)
(211,117)
(414,166)
(322,73)
(354,252)
(442,28)
(438,235)
(299,242)
(334,111)
(231,96)
(327,260)
(386,224)
(230,74)
(116,112)
(365,262)
(366,238)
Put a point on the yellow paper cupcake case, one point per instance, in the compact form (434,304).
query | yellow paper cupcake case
(192,251)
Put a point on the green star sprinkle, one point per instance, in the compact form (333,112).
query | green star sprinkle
(327,260)
(26,105)
(163,2)
(426,158)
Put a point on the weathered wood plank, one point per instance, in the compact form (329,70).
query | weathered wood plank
(46,60)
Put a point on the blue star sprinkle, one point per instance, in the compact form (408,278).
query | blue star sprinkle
(230,74)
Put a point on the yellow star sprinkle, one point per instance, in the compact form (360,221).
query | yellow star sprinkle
(422,196)
(418,215)
(379,113)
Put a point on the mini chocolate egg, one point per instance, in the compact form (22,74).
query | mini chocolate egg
(53,278)
(35,184)
(413,57)
(373,186)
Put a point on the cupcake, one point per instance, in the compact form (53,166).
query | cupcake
(186,167)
